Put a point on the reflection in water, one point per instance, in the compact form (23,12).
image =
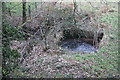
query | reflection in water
(77,46)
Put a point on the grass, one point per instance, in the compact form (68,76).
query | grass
(105,61)
(58,75)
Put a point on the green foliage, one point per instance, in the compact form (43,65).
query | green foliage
(18,73)
(58,75)
(11,33)
(104,62)
(7,52)
(16,7)
(10,57)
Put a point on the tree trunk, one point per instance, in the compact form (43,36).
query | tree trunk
(29,11)
(36,6)
(3,12)
(74,11)
(3,7)
(24,13)
(9,11)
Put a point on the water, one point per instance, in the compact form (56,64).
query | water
(77,46)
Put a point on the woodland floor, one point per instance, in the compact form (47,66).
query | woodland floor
(52,64)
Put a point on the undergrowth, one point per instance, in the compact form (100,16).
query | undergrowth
(10,57)
(104,63)
(106,59)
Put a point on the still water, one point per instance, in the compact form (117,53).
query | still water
(77,46)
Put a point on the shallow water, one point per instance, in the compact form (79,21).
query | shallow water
(77,46)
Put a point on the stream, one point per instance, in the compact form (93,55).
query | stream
(77,46)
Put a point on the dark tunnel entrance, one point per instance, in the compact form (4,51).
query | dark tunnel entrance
(76,40)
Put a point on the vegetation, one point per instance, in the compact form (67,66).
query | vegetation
(35,55)
(16,7)
(10,57)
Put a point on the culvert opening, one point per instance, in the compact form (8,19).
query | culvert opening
(78,40)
